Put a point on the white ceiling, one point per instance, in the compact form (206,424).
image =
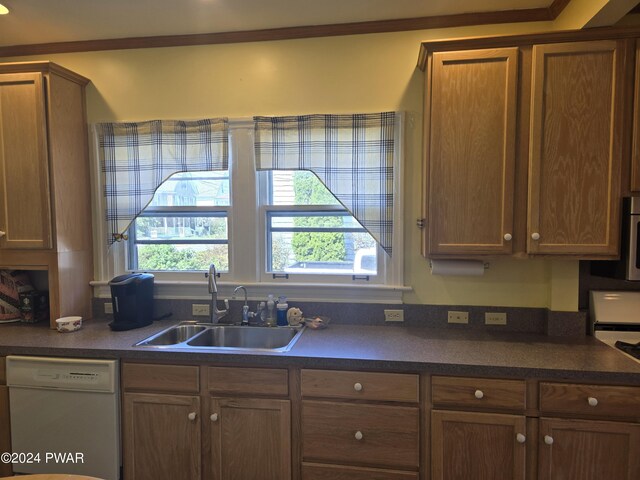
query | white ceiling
(45,21)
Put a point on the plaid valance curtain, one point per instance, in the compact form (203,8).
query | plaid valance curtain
(135,158)
(351,154)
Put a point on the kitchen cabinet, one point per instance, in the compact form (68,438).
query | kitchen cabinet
(45,211)
(192,422)
(635,156)
(471,151)
(377,437)
(591,447)
(248,437)
(524,144)
(5,432)
(576,148)
(477,444)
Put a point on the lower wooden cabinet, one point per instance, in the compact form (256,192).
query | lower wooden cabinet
(316,471)
(5,433)
(161,437)
(250,438)
(467,445)
(588,450)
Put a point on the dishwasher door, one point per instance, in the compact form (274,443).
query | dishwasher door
(64,416)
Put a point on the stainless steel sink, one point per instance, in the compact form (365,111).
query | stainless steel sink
(209,337)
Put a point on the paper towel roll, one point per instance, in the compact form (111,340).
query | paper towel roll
(457,267)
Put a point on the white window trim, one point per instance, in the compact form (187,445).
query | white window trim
(246,247)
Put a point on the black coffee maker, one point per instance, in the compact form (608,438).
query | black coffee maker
(132,297)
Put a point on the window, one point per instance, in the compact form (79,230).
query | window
(263,229)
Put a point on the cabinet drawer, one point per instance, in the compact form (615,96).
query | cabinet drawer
(389,387)
(372,435)
(479,392)
(598,400)
(3,372)
(254,381)
(160,378)
(316,471)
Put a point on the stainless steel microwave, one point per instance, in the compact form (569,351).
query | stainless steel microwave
(628,267)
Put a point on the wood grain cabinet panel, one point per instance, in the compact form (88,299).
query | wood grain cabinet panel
(250,438)
(478,393)
(371,386)
(588,450)
(5,432)
(161,437)
(468,445)
(359,434)
(25,210)
(471,103)
(635,158)
(249,381)
(316,471)
(592,400)
(575,148)
(160,378)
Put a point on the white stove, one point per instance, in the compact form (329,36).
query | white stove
(616,320)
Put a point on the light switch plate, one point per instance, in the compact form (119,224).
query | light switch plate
(108,307)
(457,317)
(200,310)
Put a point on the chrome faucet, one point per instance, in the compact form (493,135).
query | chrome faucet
(245,307)
(215,314)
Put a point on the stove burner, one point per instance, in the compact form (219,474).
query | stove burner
(632,349)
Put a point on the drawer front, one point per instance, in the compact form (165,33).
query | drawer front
(316,471)
(389,387)
(478,392)
(160,378)
(370,435)
(598,400)
(3,372)
(254,381)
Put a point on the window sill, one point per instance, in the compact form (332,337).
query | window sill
(301,292)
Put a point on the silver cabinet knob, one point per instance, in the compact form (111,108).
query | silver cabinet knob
(548,439)
(508,237)
(359,435)
(535,236)
(192,416)
(520,438)
(592,401)
(357,387)
(479,394)
(214,417)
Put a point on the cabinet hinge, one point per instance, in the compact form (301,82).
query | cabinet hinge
(420,222)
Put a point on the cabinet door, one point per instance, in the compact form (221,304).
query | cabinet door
(471,151)
(161,437)
(5,434)
(250,438)
(588,450)
(635,159)
(25,218)
(477,445)
(575,148)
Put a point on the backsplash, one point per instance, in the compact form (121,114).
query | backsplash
(522,320)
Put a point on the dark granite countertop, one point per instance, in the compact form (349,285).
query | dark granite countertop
(393,348)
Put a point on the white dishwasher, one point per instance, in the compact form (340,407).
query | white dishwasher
(65,416)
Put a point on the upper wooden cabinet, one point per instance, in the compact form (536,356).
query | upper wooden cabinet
(524,144)
(25,211)
(45,205)
(471,151)
(575,148)
(635,159)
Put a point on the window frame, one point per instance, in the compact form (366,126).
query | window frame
(247,241)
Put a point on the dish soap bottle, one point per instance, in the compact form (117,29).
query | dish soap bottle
(282,307)
(271,313)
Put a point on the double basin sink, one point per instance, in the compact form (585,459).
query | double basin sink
(199,336)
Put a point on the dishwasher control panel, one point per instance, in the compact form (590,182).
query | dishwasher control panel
(68,374)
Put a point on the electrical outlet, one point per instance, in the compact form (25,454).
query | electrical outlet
(394,315)
(457,317)
(495,318)
(199,310)
(108,307)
